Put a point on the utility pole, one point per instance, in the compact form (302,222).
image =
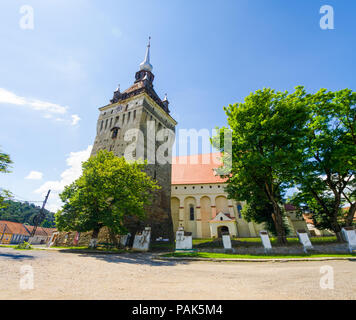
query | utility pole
(39,218)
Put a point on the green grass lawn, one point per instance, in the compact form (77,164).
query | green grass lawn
(248,256)
(253,242)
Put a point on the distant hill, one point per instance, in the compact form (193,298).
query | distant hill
(24,212)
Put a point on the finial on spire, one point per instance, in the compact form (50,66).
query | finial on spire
(146,65)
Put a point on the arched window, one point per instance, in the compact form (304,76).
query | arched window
(114,132)
(191,212)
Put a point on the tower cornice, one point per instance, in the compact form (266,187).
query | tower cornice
(144,94)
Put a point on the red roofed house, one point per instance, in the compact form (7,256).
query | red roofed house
(13,232)
(42,235)
(200,204)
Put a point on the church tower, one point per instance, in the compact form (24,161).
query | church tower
(136,124)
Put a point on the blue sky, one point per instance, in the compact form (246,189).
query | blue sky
(205,55)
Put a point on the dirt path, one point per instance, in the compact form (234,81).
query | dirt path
(135,276)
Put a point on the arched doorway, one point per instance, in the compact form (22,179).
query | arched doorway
(222,230)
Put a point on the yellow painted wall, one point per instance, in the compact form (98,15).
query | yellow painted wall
(6,239)
(205,210)
(175,213)
(221,204)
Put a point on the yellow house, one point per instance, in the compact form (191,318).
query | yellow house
(13,232)
(5,234)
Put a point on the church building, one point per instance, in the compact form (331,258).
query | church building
(200,204)
(191,195)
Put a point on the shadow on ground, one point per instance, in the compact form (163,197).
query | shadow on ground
(130,258)
(15,256)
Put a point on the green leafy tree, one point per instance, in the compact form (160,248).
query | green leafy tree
(267,129)
(24,212)
(47,224)
(326,178)
(260,210)
(5,163)
(108,190)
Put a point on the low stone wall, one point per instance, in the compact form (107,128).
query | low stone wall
(66,239)
(326,248)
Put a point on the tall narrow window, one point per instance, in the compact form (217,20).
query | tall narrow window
(239,209)
(114,130)
(134,114)
(101,125)
(110,123)
(191,212)
(106,124)
(123,119)
(128,117)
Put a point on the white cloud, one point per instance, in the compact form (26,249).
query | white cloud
(74,162)
(75,119)
(34,175)
(11,98)
(49,108)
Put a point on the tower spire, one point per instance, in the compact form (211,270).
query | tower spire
(146,65)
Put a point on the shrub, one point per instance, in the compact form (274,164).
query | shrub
(24,246)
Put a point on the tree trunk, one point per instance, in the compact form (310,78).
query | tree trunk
(113,238)
(337,229)
(277,217)
(350,215)
(278,222)
(94,238)
(95,233)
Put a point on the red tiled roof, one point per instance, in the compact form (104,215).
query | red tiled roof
(49,231)
(196,169)
(40,231)
(4,228)
(15,227)
(308,218)
(289,207)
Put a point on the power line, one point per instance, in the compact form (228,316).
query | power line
(23,200)
(20,198)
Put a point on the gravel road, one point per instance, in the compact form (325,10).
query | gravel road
(59,275)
